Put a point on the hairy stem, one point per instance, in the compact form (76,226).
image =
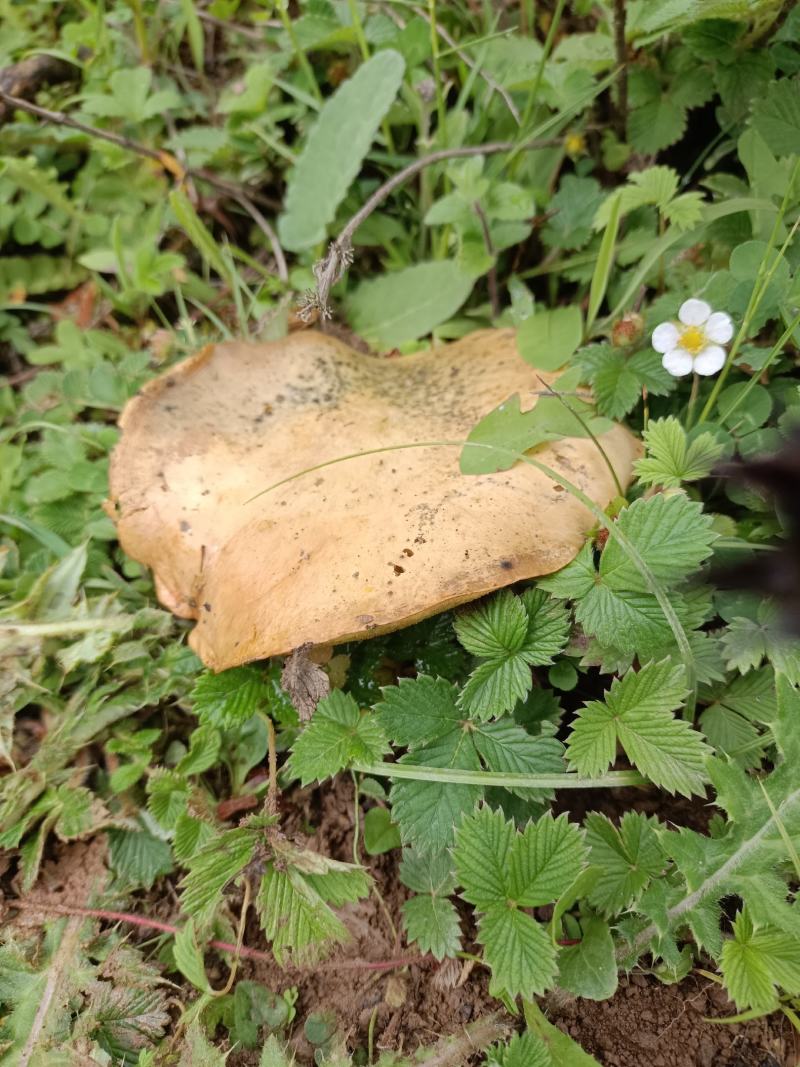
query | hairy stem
(499,779)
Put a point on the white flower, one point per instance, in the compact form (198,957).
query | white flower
(695,344)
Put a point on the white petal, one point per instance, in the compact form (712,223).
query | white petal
(694,312)
(719,328)
(710,360)
(678,362)
(665,337)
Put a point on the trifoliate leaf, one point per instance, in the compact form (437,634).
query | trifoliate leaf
(229,698)
(638,713)
(756,963)
(747,642)
(617,379)
(671,458)
(502,871)
(627,857)
(589,969)
(515,633)
(673,537)
(337,735)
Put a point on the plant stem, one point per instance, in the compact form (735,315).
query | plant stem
(454,776)
(272,789)
(763,278)
(622,62)
(146,923)
(140,29)
(300,56)
(548,44)
(692,400)
(437,71)
(491,277)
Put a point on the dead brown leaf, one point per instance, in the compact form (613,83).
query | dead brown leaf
(305,682)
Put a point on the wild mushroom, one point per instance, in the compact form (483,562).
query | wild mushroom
(363,546)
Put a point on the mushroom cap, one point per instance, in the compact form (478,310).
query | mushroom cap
(362,546)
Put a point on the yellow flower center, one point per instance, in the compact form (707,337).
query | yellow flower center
(693,339)
(574,144)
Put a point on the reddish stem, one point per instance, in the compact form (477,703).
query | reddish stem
(223,946)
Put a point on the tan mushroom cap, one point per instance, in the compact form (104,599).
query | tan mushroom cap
(361,547)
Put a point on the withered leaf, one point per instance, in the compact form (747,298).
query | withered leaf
(305,681)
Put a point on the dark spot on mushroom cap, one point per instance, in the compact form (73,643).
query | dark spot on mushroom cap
(185,527)
(506,564)
(398,569)
(207,606)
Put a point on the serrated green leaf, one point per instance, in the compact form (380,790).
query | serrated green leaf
(671,458)
(627,857)
(638,712)
(419,710)
(756,962)
(138,857)
(204,747)
(189,959)
(548,628)
(274,1055)
(432,873)
(432,922)
(229,698)
(525,1050)
(517,948)
(776,116)
(495,686)
(337,735)
(656,125)
(497,627)
(505,746)
(335,149)
(295,917)
(482,853)
(545,859)
(216,864)
(427,812)
(407,304)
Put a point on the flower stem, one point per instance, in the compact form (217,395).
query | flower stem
(692,400)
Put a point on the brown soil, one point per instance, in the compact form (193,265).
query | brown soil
(646,1023)
(666,1026)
